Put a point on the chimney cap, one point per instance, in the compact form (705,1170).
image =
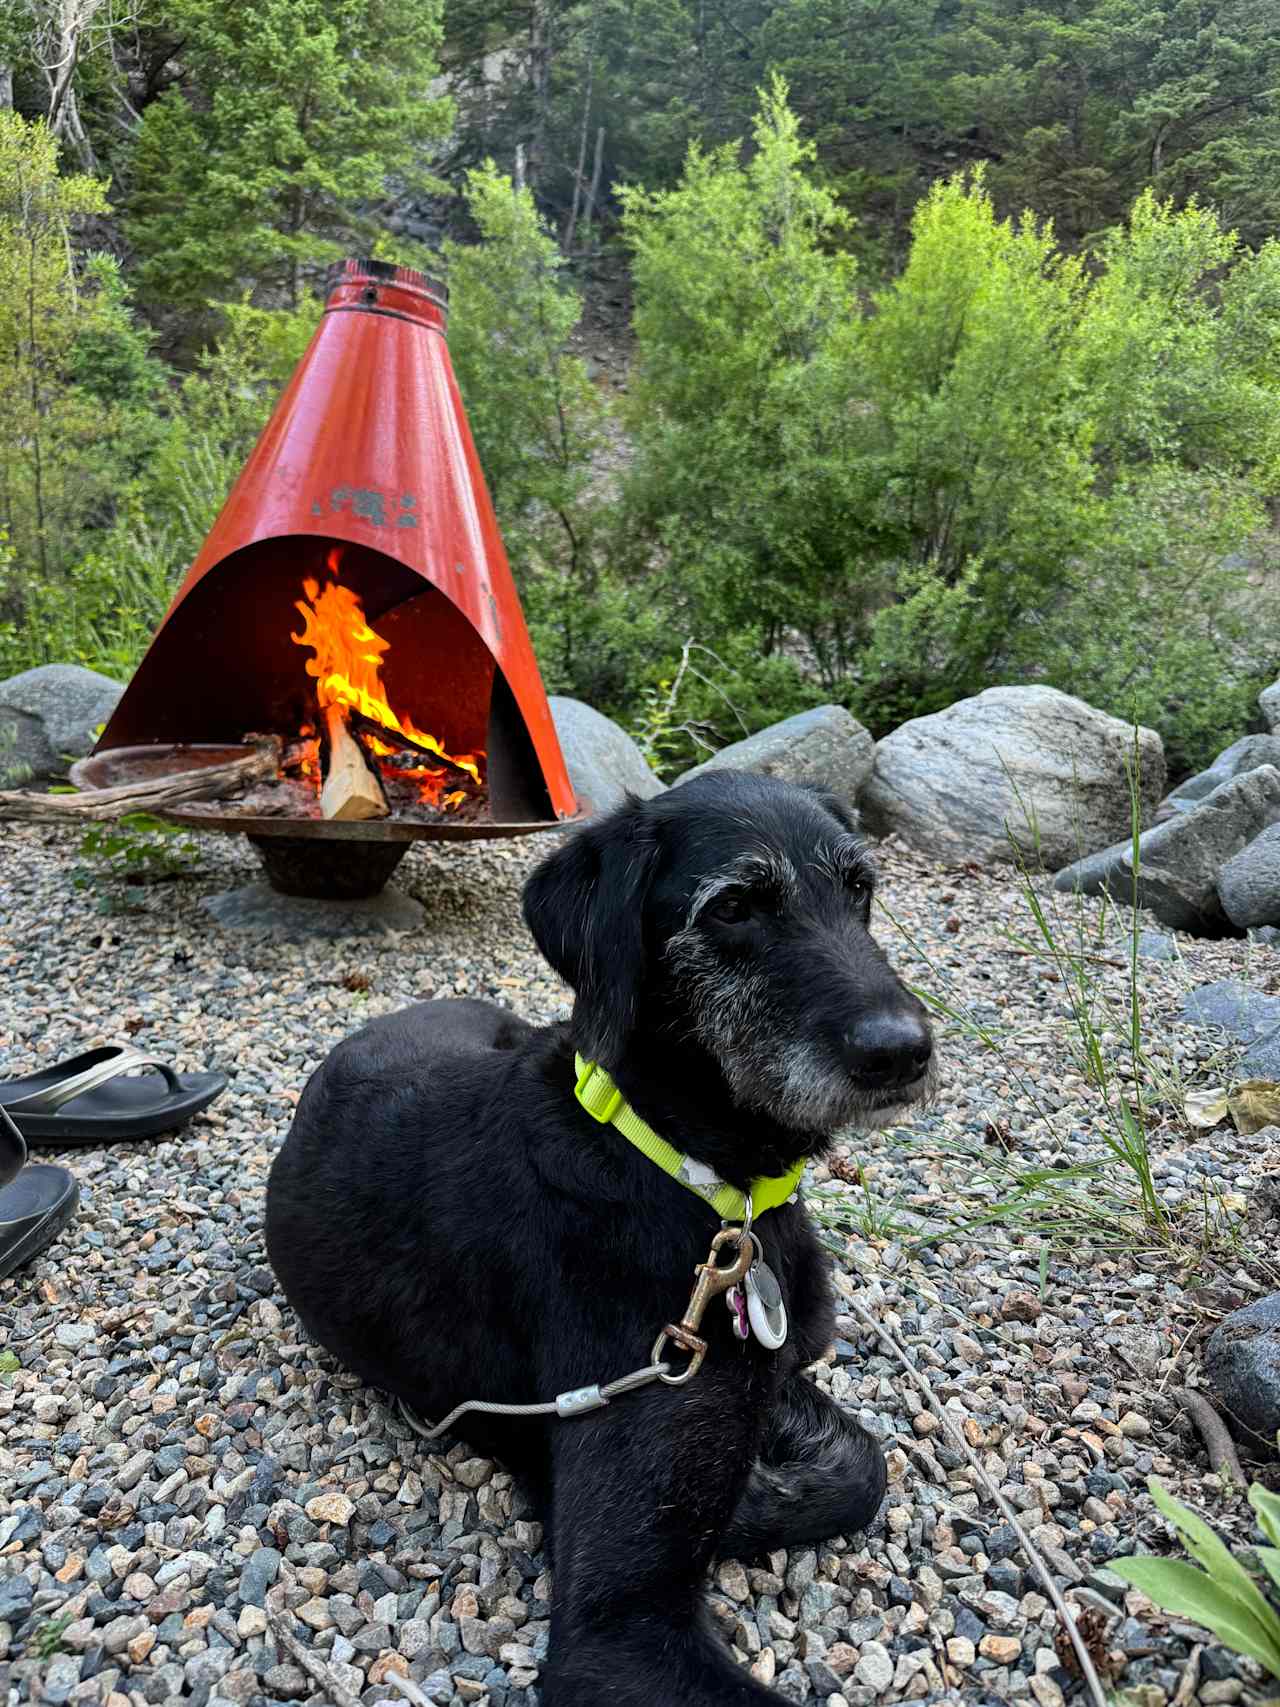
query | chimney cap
(356,270)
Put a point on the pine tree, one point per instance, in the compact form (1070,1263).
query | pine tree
(293,121)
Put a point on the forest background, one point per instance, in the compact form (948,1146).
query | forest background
(947,332)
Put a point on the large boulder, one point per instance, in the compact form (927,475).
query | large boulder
(826,746)
(605,765)
(1244,1014)
(1249,882)
(1245,754)
(50,715)
(1027,763)
(1242,1366)
(1179,860)
(1269,706)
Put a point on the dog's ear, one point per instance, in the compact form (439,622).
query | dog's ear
(585,909)
(831,802)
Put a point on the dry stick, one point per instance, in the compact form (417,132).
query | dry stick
(208,782)
(1223,1457)
(309,1661)
(408,1688)
(1087,1669)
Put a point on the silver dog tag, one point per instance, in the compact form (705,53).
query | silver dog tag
(766,1312)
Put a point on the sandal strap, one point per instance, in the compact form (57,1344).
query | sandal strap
(117,1058)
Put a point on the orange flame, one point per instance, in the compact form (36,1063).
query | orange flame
(347,667)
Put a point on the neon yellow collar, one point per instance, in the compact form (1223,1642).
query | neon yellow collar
(604,1102)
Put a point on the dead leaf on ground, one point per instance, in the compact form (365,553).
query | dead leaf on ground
(1254,1104)
(1207,1107)
(1091,1626)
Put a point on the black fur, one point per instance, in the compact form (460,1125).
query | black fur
(449,1222)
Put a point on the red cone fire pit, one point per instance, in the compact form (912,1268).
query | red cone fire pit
(354,599)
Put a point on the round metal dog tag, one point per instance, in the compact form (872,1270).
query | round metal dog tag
(766,1312)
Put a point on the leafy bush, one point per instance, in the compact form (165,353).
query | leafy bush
(77,387)
(1022,466)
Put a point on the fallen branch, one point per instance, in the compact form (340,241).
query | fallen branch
(1223,1457)
(1088,1670)
(308,1660)
(208,782)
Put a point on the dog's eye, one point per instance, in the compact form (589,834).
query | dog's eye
(859,891)
(731,908)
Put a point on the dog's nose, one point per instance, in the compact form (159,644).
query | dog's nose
(888,1048)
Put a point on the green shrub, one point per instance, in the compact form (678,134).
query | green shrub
(1223,1596)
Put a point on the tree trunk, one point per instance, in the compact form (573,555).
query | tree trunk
(594,192)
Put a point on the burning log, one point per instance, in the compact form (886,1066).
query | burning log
(430,756)
(209,782)
(351,790)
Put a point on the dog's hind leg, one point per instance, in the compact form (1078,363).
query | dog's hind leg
(640,1495)
(819,1473)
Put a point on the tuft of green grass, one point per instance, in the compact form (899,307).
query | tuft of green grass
(1110,1203)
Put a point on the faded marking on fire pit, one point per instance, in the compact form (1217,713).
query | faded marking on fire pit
(367,503)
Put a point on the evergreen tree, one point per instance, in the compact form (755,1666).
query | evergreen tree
(294,121)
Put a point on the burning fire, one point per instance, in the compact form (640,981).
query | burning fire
(347,667)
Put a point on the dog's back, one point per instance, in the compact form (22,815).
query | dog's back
(375,1127)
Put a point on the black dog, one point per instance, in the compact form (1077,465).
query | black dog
(451,1224)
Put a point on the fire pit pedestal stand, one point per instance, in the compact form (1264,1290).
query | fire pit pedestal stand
(327,871)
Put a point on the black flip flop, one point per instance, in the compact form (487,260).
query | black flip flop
(107,1107)
(36,1202)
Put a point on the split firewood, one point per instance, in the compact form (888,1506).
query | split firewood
(208,782)
(352,791)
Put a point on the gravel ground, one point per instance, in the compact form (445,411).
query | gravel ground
(177,1465)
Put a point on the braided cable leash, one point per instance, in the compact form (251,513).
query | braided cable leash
(709,1281)
(575,1403)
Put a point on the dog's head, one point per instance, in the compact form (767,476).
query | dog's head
(735,910)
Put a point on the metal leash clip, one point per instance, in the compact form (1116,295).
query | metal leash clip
(712,1281)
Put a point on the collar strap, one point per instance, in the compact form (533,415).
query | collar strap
(604,1102)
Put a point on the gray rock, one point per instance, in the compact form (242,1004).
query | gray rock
(826,746)
(1027,763)
(1242,1364)
(1155,945)
(1245,1014)
(49,713)
(15,1599)
(260,1571)
(1107,872)
(1269,706)
(1179,860)
(605,765)
(74,1336)
(1245,754)
(1249,882)
(259,907)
